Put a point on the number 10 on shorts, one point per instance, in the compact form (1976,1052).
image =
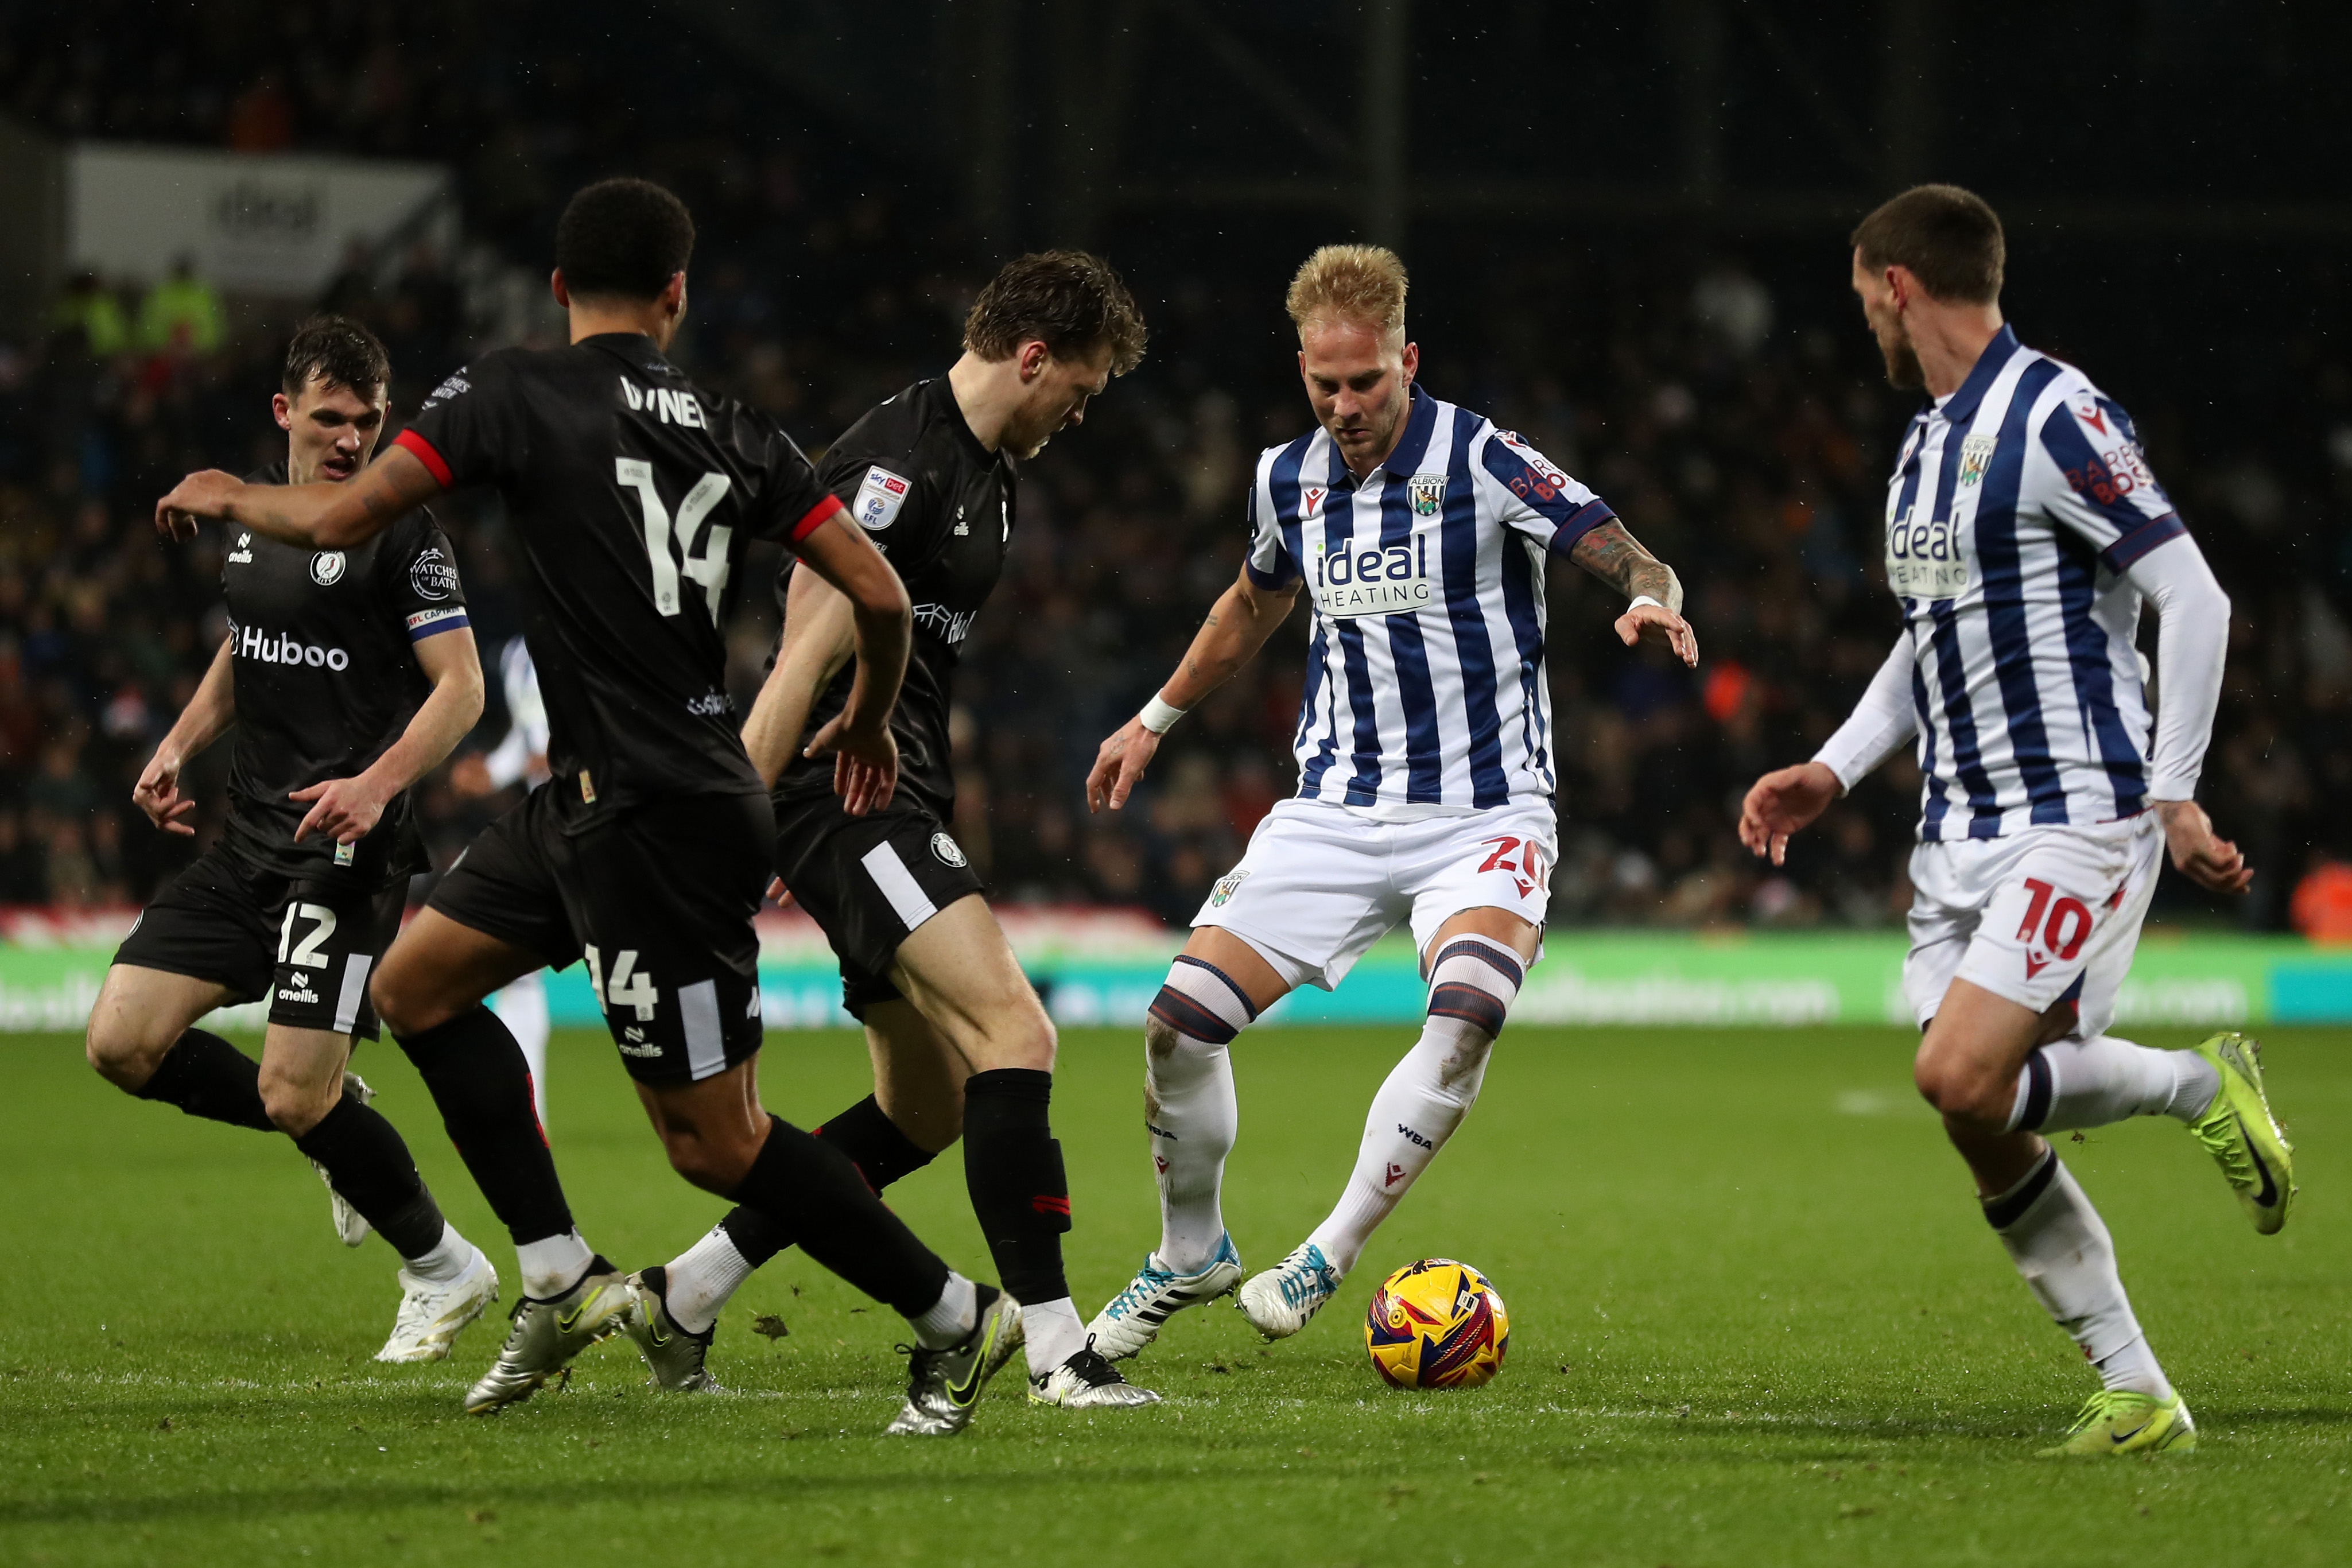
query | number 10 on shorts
(2062,922)
(626,986)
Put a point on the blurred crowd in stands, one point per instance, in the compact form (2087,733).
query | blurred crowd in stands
(1739,423)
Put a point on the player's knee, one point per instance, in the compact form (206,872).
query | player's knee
(714,1167)
(293,1106)
(123,1052)
(1961,1088)
(405,1001)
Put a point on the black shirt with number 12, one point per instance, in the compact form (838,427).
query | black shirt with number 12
(940,506)
(632,495)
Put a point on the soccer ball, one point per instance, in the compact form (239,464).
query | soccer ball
(1436,1324)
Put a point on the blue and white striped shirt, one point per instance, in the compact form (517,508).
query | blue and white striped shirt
(1425,691)
(2015,508)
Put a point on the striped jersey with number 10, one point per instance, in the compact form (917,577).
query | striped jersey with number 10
(2016,506)
(1426,691)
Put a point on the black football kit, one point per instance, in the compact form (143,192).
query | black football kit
(324,680)
(632,495)
(940,505)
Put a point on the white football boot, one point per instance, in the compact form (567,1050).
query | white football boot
(431,1316)
(1087,1381)
(1132,1319)
(350,1225)
(1279,1301)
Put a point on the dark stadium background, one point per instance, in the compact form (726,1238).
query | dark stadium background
(1626,225)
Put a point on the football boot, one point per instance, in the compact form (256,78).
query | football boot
(1087,1381)
(674,1355)
(2120,1421)
(1133,1317)
(943,1385)
(2239,1131)
(1279,1301)
(547,1334)
(432,1315)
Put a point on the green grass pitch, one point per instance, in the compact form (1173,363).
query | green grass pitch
(1754,1320)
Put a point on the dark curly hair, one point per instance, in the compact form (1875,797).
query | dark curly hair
(1067,299)
(623,237)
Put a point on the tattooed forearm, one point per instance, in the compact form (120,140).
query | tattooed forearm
(1613,555)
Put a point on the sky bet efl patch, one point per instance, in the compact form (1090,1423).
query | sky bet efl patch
(878,500)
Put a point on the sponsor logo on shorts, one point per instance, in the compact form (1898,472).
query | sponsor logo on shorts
(949,851)
(632,1043)
(1227,886)
(327,568)
(305,996)
(432,575)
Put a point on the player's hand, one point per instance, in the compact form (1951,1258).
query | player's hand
(207,494)
(1660,625)
(1783,801)
(345,810)
(778,894)
(864,764)
(158,793)
(1119,765)
(2199,854)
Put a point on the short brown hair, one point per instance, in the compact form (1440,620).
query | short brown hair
(1067,299)
(340,352)
(1948,237)
(1361,283)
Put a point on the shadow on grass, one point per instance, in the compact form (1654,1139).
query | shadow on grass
(272,1502)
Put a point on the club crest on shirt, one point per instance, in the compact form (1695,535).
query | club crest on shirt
(1311,502)
(1975,456)
(1428,494)
(880,496)
(1227,886)
(327,568)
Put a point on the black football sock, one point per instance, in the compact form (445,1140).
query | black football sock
(1013,1167)
(205,1075)
(482,1084)
(817,1195)
(372,1169)
(881,1153)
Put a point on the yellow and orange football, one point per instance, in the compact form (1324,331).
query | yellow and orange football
(1436,1324)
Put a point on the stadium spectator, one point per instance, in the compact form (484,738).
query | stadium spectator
(182,314)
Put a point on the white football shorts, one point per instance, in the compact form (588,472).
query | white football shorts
(1319,884)
(2048,915)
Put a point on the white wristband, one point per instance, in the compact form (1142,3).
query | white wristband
(1642,599)
(1160,717)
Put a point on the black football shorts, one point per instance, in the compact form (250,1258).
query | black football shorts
(868,881)
(659,900)
(307,944)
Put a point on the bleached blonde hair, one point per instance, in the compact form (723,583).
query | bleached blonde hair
(1359,283)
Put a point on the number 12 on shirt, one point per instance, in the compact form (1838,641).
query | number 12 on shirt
(710,567)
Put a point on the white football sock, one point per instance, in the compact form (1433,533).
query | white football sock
(697,1281)
(2133,1367)
(950,1318)
(2090,1083)
(522,1009)
(552,1265)
(1189,1105)
(2057,1241)
(446,1261)
(1471,988)
(1052,1334)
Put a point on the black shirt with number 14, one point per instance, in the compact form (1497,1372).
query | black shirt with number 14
(632,496)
